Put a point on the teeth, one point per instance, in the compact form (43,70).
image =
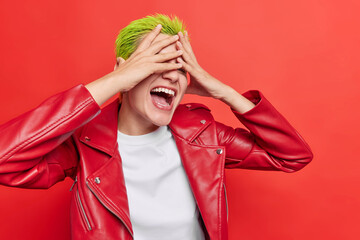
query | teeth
(165,90)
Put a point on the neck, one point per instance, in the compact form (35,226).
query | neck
(130,123)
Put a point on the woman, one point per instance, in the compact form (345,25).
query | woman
(147,167)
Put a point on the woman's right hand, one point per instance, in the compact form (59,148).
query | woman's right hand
(144,62)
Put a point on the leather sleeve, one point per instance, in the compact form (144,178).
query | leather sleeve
(37,148)
(271,144)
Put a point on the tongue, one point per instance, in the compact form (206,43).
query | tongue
(159,100)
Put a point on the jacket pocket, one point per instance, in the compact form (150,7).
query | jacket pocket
(81,209)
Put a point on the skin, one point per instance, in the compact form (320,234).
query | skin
(157,62)
(137,110)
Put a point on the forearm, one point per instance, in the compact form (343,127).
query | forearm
(40,130)
(285,149)
(104,88)
(235,100)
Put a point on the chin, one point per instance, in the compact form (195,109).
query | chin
(161,122)
(160,119)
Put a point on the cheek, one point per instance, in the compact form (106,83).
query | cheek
(184,83)
(136,97)
(183,86)
(140,91)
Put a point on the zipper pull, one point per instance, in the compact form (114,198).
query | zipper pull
(73,184)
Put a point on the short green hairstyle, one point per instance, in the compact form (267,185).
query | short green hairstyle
(130,36)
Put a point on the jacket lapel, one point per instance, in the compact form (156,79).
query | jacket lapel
(203,164)
(106,179)
(101,132)
(108,186)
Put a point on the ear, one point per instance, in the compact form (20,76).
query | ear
(119,60)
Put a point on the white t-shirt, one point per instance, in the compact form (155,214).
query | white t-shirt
(162,206)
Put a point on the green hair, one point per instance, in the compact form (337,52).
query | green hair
(130,36)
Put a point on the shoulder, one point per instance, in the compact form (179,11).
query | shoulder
(192,110)
(190,119)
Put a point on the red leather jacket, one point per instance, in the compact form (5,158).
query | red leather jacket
(66,136)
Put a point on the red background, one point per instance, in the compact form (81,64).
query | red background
(303,55)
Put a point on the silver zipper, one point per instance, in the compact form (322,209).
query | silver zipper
(227,209)
(196,141)
(73,184)
(126,226)
(82,210)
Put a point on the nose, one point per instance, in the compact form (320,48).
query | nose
(172,75)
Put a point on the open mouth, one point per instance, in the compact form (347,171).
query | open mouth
(162,97)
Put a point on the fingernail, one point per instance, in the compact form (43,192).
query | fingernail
(180,52)
(158,26)
(176,37)
(181,34)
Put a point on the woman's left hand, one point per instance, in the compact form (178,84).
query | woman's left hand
(201,82)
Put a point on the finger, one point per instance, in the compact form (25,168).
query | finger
(186,47)
(185,54)
(184,42)
(119,61)
(163,67)
(163,57)
(186,66)
(187,39)
(186,35)
(149,38)
(157,46)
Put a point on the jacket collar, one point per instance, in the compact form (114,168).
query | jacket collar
(184,125)
(189,126)
(104,125)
